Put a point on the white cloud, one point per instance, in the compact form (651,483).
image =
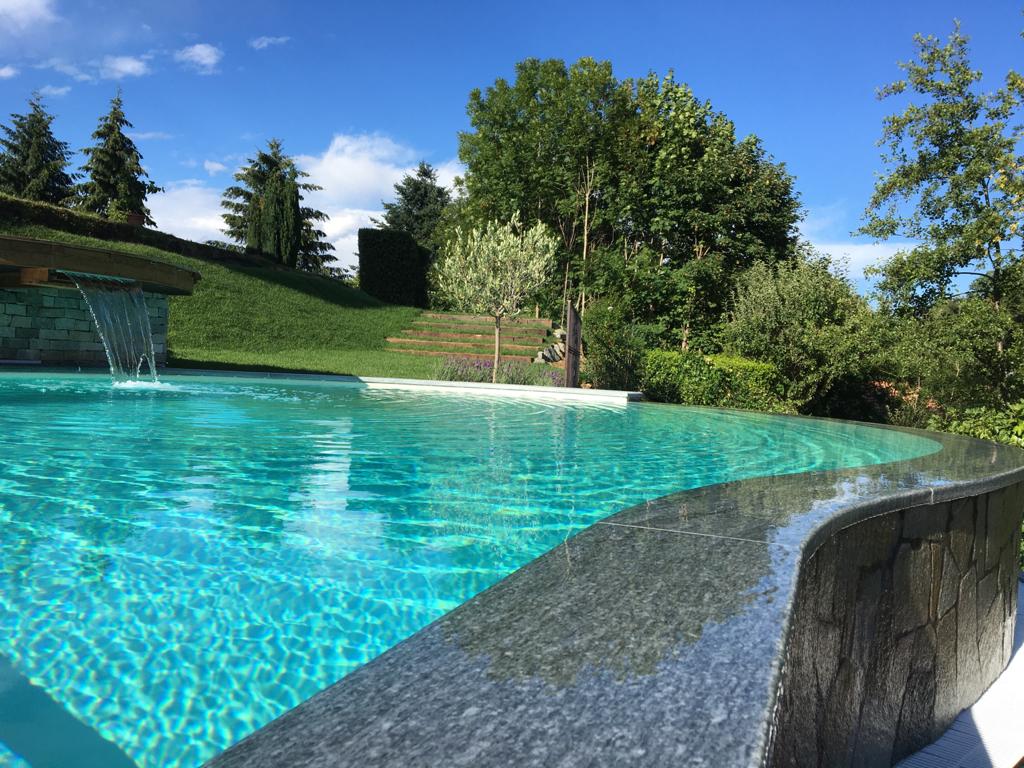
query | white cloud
(7,72)
(858,256)
(213,167)
(55,91)
(17,16)
(357,171)
(202,57)
(59,65)
(150,135)
(190,209)
(260,43)
(119,67)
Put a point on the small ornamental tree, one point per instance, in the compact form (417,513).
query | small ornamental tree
(494,270)
(33,162)
(117,184)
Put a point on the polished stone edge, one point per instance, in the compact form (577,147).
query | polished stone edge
(806,514)
(427,385)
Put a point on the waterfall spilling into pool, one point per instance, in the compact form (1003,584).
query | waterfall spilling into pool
(118,308)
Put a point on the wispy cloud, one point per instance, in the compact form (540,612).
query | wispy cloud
(66,68)
(201,57)
(120,67)
(18,16)
(212,167)
(260,43)
(150,135)
(7,72)
(55,91)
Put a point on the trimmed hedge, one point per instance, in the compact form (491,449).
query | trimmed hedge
(727,381)
(393,267)
(14,209)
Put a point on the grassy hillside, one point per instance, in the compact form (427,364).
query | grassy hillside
(253,317)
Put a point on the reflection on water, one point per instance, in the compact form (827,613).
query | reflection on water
(180,567)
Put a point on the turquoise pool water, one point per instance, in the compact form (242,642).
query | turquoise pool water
(179,567)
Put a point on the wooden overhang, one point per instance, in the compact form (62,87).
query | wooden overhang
(28,262)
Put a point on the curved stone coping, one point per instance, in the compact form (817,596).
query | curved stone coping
(654,637)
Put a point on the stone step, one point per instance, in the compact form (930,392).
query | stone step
(539,322)
(537,339)
(471,355)
(434,325)
(467,345)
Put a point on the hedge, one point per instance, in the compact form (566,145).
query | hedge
(393,267)
(727,381)
(14,209)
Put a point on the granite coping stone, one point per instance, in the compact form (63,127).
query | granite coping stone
(653,637)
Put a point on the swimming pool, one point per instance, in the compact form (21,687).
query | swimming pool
(181,566)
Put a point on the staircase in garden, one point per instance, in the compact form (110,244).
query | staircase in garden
(441,334)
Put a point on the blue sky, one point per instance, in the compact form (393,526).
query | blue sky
(362,91)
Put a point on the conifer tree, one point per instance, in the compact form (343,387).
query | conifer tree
(117,184)
(419,203)
(264,211)
(33,162)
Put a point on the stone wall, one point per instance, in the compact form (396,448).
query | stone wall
(900,622)
(54,326)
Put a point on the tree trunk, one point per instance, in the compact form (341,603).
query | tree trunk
(497,346)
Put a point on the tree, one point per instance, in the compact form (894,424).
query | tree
(264,211)
(493,270)
(116,182)
(954,180)
(33,162)
(419,203)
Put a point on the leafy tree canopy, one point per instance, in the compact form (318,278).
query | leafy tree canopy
(954,179)
(116,182)
(264,211)
(33,162)
(419,204)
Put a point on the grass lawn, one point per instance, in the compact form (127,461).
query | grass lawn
(271,319)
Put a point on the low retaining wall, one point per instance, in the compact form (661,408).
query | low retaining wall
(54,326)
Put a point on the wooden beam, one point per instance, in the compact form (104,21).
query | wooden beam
(27,276)
(45,255)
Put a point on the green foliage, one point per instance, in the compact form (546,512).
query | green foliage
(392,267)
(808,323)
(265,212)
(1004,425)
(615,347)
(419,204)
(116,183)
(724,381)
(654,198)
(683,377)
(954,181)
(33,163)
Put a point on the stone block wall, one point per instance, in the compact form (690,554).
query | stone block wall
(900,622)
(54,327)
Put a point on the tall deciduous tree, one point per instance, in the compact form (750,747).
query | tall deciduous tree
(419,203)
(493,270)
(33,162)
(116,183)
(264,211)
(954,180)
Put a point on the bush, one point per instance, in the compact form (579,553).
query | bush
(509,372)
(392,267)
(722,380)
(615,347)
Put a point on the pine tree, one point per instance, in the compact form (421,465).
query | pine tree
(33,163)
(264,211)
(419,203)
(117,184)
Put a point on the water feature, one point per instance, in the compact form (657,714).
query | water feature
(118,308)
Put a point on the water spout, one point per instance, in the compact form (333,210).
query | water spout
(118,308)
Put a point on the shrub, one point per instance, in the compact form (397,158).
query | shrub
(509,372)
(615,347)
(392,267)
(683,377)
(723,380)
